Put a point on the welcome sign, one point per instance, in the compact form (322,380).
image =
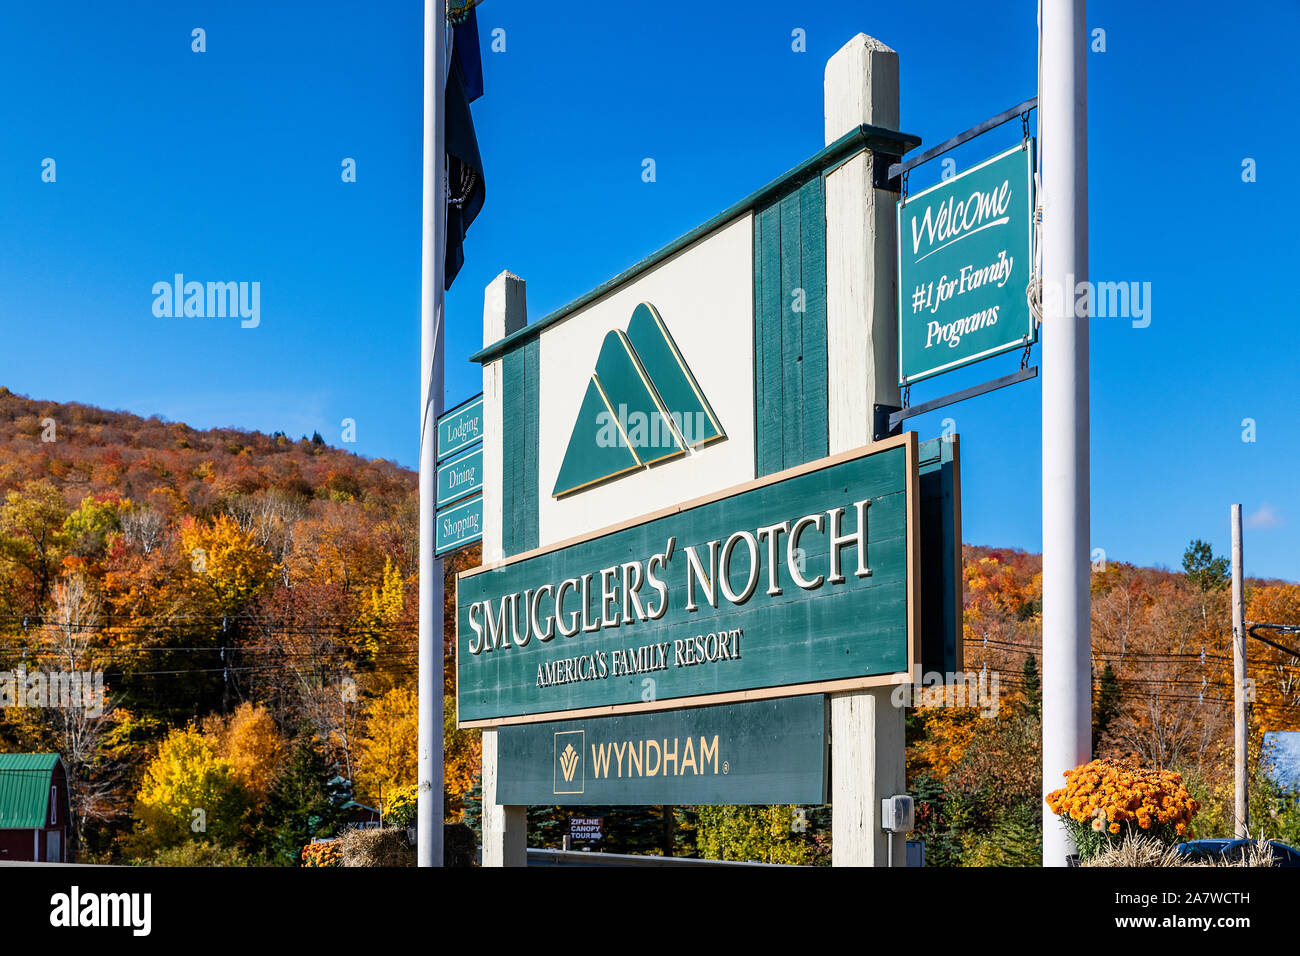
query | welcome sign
(965,251)
(805,581)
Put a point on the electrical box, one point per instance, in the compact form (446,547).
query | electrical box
(897,814)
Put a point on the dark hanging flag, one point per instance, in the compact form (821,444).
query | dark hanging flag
(464,166)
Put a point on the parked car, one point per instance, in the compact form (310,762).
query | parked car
(1225,849)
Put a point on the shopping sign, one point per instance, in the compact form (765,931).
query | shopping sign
(806,581)
(965,251)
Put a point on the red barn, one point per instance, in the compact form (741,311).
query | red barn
(33,808)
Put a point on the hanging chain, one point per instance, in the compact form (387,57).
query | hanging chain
(907,395)
(1024,358)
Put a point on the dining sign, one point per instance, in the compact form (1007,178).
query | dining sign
(965,257)
(805,581)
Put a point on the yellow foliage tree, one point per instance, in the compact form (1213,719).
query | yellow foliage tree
(383,613)
(249,741)
(1276,673)
(462,760)
(387,755)
(188,791)
(228,561)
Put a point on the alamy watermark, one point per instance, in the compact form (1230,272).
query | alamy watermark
(1100,300)
(960,689)
(211,300)
(651,430)
(59,690)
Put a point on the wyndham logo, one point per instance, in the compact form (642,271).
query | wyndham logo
(642,407)
(570,768)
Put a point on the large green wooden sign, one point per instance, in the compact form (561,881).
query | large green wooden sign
(803,581)
(965,251)
(760,752)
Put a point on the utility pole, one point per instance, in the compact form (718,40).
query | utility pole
(1067,637)
(432,257)
(1241,809)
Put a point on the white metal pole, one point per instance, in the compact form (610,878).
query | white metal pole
(432,255)
(1067,640)
(1241,809)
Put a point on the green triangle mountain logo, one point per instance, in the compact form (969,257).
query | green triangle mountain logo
(642,406)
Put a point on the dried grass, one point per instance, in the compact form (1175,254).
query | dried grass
(1258,853)
(383,847)
(1137,850)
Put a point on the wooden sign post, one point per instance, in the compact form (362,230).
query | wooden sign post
(691,543)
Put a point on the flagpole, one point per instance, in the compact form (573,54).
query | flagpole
(432,258)
(1067,637)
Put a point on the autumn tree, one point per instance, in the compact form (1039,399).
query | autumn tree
(387,754)
(188,792)
(32,545)
(249,741)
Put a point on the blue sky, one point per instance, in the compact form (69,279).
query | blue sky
(225,165)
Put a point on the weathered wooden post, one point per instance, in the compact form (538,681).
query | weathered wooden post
(505,829)
(867,731)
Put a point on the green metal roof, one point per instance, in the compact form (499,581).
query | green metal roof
(25,789)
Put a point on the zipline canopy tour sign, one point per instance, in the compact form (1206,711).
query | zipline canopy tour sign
(806,581)
(965,257)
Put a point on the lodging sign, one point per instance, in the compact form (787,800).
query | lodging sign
(460,427)
(965,257)
(805,581)
(754,752)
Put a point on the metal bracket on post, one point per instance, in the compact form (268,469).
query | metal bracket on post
(881,164)
(899,415)
(880,425)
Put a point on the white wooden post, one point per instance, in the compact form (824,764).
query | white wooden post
(867,730)
(505,829)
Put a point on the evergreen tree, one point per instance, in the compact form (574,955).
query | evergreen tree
(472,809)
(306,801)
(1108,705)
(1203,569)
(1032,686)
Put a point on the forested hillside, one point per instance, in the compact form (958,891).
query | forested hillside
(250,602)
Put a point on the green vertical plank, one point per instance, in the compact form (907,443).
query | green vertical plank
(791,331)
(512,445)
(815,430)
(770,433)
(530,529)
(519,426)
(790,352)
(760,350)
